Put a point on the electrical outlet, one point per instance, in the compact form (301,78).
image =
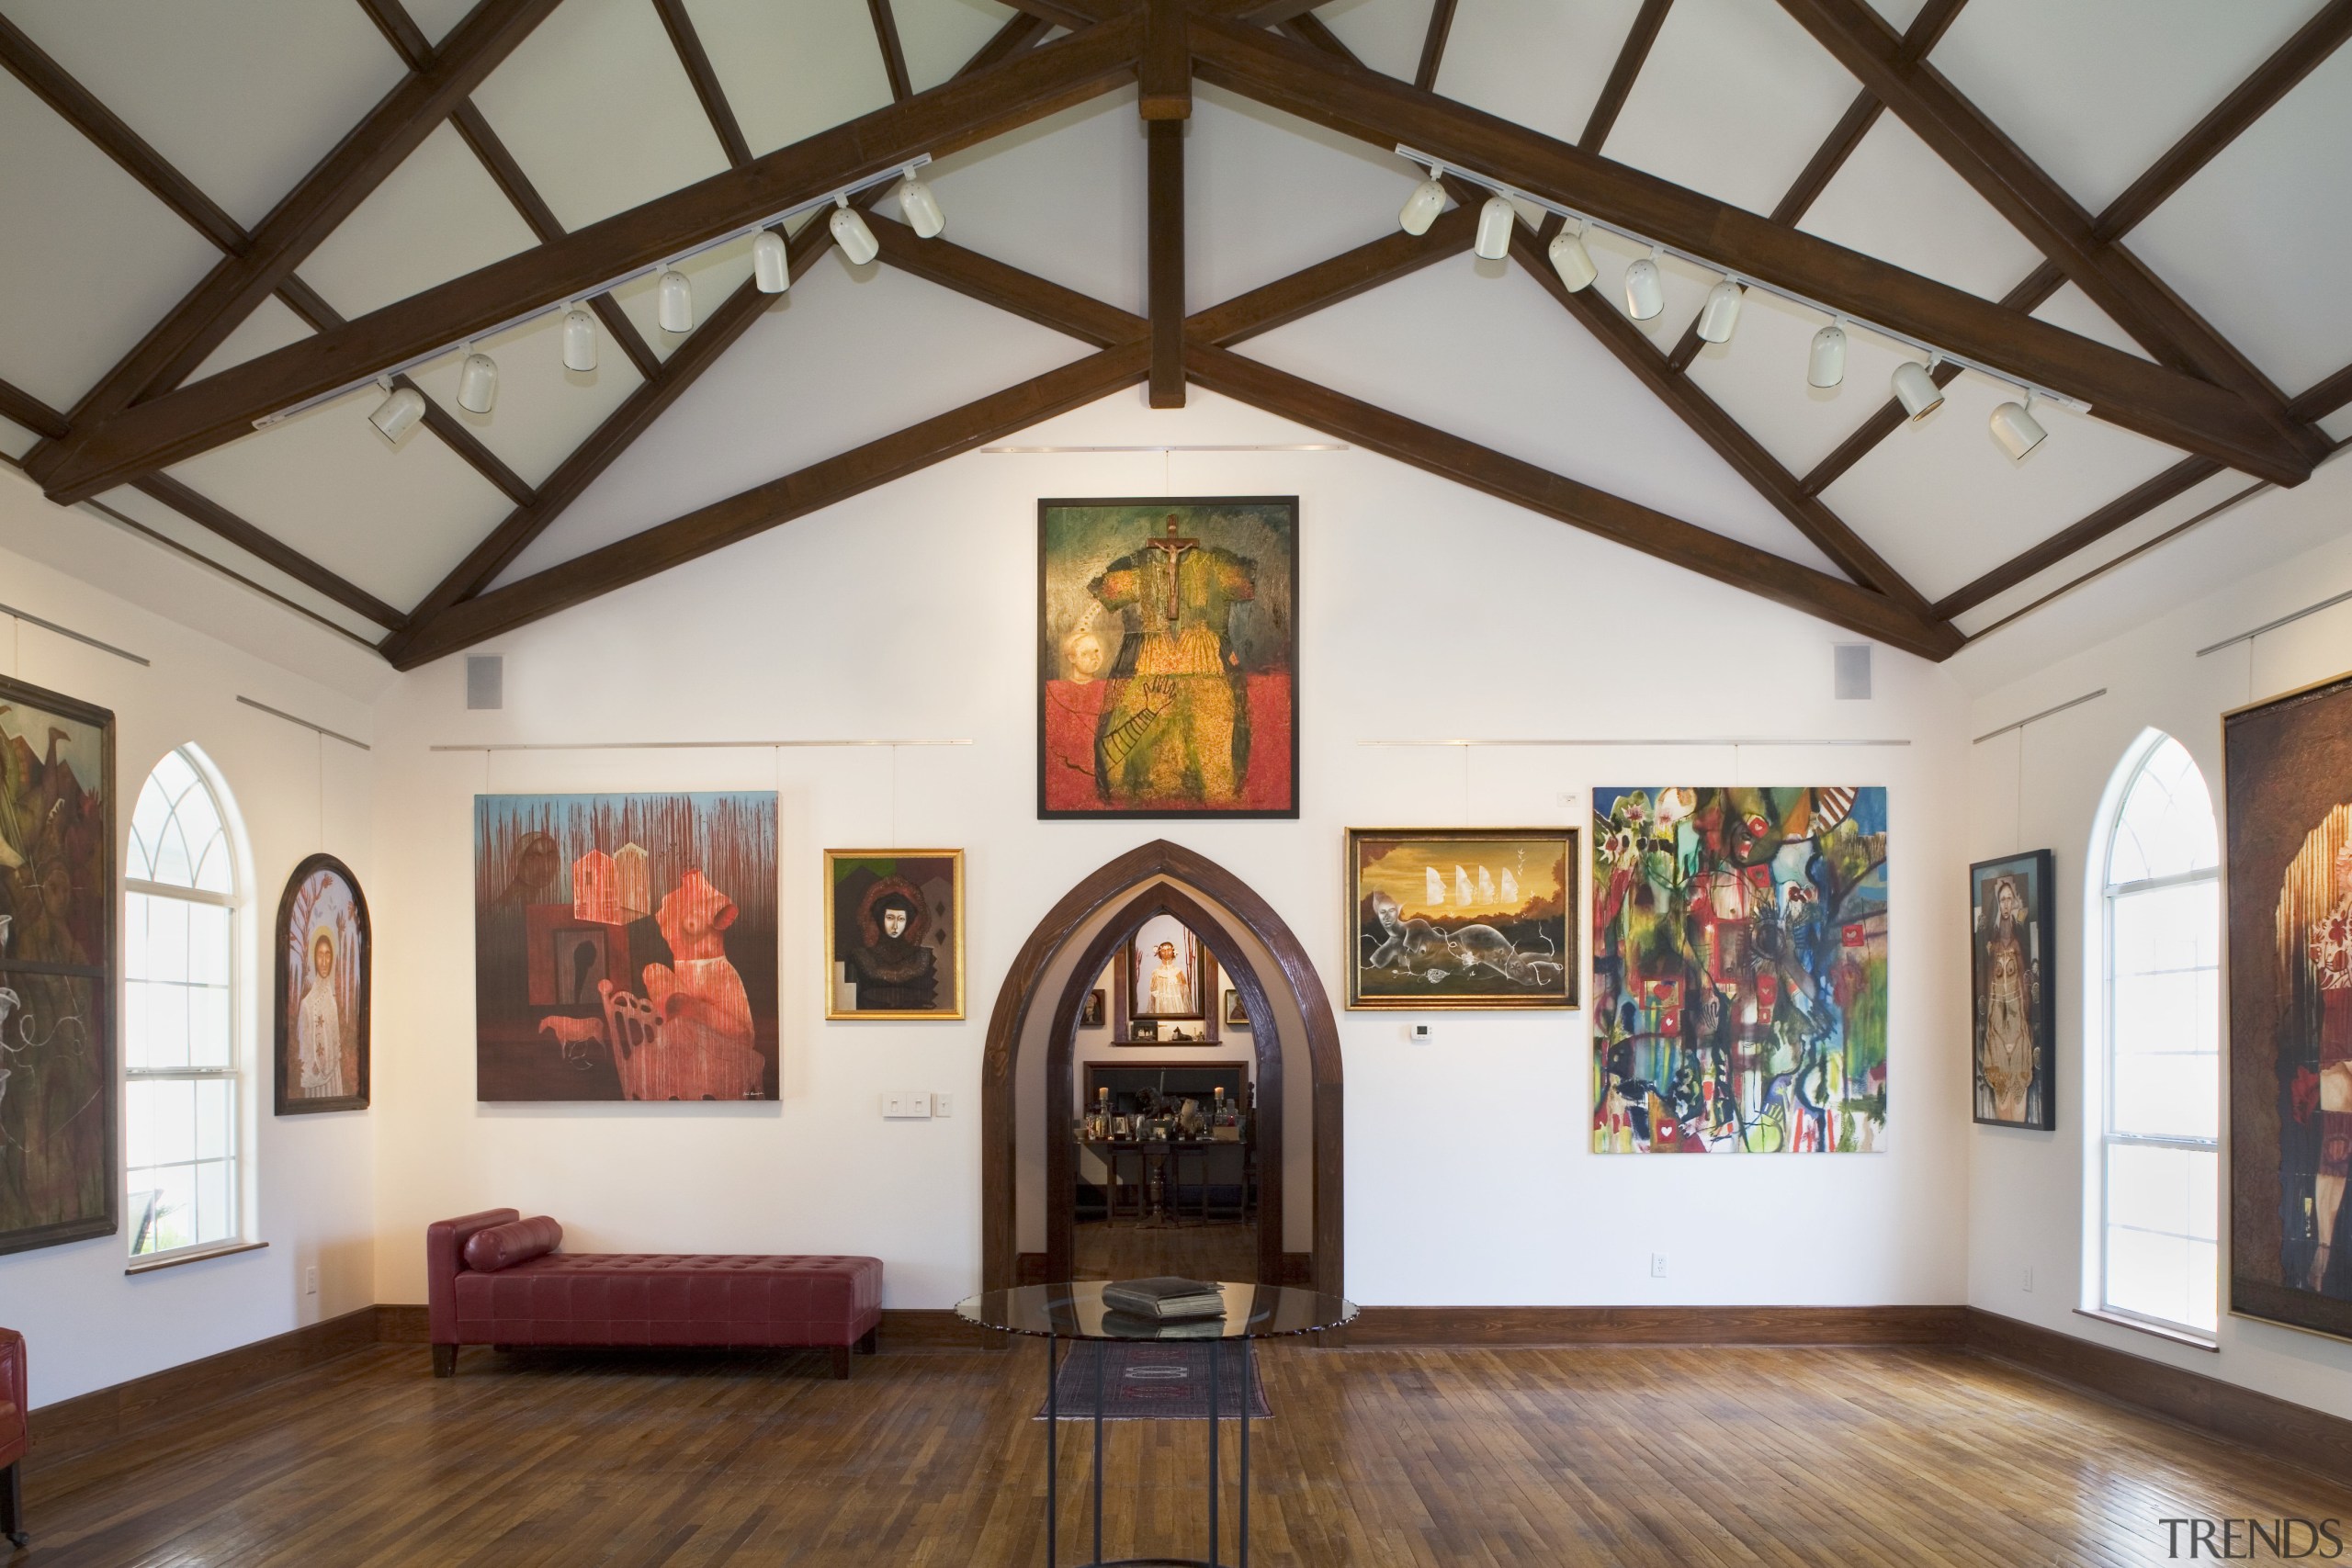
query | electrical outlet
(1658,1265)
(2025,1284)
(942,1105)
(310,1281)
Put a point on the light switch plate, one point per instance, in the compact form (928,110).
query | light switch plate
(942,1105)
(310,1281)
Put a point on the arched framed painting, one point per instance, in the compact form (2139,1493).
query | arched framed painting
(324,948)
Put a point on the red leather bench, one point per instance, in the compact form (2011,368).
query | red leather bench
(15,1434)
(495,1279)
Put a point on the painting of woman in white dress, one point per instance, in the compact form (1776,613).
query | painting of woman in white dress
(323,951)
(1166,971)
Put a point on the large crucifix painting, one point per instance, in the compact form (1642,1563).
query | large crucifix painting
(1168,657)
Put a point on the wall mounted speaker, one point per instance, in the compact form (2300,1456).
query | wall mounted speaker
(486,679)
(1853,671)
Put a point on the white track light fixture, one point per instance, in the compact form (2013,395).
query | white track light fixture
(1644,290)
(1826,366)
(2014,426)
(850,232)
(1721,312)
(673,302)
(1495,221)
(476,381)
(1916,390)
(770,266)
(401,408)
(579,338)
(1422,207)
(921,208)
(1571,260)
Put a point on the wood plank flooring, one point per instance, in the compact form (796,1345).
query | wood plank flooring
(1431,1459)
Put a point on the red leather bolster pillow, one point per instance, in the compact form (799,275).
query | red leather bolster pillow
(502,1247)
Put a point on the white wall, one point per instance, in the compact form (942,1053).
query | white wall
(1426,611)
(88,1324)
(2041,788)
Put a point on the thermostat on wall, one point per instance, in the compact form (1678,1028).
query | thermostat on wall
(1420,1033)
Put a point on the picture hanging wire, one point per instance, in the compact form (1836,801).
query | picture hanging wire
(2037,718)
(671,745)
(297,718)
(21,617)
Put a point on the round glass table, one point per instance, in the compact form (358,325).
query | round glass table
(1074,1310)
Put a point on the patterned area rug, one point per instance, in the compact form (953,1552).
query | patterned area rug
(1155,1383)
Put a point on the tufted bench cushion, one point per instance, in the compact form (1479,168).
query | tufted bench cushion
(592,1298)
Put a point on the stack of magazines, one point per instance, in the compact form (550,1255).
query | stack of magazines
(1165,1299)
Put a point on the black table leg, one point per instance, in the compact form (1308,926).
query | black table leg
(1216,1354)
(1101,1349)
(1053,1425)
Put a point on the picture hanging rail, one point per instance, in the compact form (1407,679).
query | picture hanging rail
(48,625)
(675,745)
(2037,718)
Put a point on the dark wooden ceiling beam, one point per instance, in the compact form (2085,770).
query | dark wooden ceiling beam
(2038,206)
(1164,200)
(1706,417)
(1310,30)
(755,511)
(1631,56)
(2153,400)
(18,405)
(1020,32)
(2142,498)
(1076,15)
(1008,288)
(211,514)
(1015,92)
(705,77)
(1352,272)
(1433,45)
(2323,397)
(1639,527)
(303,219)
(894,53)
(1164,71)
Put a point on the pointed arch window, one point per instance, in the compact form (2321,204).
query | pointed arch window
(2160,1161)
(185,1085)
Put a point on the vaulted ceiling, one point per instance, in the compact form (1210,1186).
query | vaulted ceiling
(216,213)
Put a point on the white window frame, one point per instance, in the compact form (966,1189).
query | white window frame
(234,1072)
(2107,1138)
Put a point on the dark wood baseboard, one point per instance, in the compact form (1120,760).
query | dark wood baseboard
(70,1425)
(936,1328)
(1529,1327)
(399,1323)
(2276,1429)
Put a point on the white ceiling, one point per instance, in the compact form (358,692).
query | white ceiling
(244,96)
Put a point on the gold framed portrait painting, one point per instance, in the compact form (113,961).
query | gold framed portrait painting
(1475,918)
(894,933)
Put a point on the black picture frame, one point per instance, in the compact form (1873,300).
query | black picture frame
(104,979)
(284,1102)
(1049,655)
(2032,874)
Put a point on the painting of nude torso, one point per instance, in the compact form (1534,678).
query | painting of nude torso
(1168,658)
(625,946)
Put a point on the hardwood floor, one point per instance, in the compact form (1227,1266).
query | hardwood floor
(1382,1457)
(1121,1250)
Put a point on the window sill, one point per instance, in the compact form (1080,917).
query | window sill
(2178,1336)
(193,1255)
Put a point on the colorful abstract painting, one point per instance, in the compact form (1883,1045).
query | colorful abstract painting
(625,946)
(2013,990)
(1739,970)
(59,1180)
(894,933)
(1471,917)
(323,957)
(2287,806)
(1168,658)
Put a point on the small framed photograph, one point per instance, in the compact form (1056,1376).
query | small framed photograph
(1236,1016)
(1143,1028)
(1092,1013)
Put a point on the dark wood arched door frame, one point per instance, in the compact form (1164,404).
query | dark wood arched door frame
(1061,1153)
(1147,863)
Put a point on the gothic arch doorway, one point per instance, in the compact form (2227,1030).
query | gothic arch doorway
(1157,877)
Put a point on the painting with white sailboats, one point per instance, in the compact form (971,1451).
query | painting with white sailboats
(1462,918)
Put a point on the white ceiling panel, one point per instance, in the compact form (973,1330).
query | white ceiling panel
(392,520)
(438,18)
(1063,198)
(1266,195)
(1385,34)
(272,325)
(2096,90)
(715,274)
(2339,425)
(841,360)
(939,35)
(1897,201)
(1496,361)
(242,96)
(2256,241)
(597,109)
(1734,100)
(437,217)
(1540,63)
(543,410)
(1944,505)
(1758,377)
(149,513)
(792,71)
(97,260)
(2072,309)
(14,439)
(1898,13)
